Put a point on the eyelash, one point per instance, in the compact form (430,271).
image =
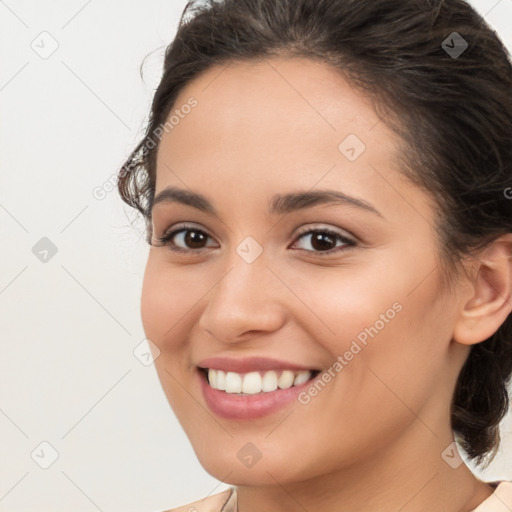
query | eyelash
(165,240)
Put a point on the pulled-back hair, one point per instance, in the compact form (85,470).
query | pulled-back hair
(450,105)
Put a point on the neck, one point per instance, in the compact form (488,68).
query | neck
(410,475)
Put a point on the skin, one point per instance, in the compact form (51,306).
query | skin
(372,439)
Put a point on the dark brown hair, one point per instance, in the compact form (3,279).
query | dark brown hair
(451,106)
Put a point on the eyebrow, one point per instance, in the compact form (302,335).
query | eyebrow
(279,205)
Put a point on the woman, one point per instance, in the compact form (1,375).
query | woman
(330,273)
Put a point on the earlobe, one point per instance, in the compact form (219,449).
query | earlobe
(489,301)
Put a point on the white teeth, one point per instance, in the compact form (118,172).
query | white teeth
(285,381)
(251,383)
(301,378)
(255,382)
(233,382)
(221,379)
(212,378)
(269,381)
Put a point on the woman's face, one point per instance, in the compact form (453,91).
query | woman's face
(277,149)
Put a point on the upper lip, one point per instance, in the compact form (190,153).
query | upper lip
(249,364)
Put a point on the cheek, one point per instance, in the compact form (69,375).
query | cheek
(166,299)
(385,317)
(392,344)
(347,303)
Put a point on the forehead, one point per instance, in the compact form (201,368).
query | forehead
(282,110)
(279,125)
(265,97)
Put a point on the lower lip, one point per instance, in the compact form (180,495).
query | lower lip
(248,407)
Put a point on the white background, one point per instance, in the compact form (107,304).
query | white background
(69,326)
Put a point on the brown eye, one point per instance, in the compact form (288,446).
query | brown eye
(324,241)
(194,239)
(185,239)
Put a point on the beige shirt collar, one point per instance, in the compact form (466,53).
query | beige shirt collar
(226,501)
(499,501)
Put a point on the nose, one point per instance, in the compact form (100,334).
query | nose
(249,300)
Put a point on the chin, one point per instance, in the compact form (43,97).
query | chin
(230,467)
(233,474)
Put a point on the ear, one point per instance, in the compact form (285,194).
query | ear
(488,301)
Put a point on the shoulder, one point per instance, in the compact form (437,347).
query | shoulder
(216,503)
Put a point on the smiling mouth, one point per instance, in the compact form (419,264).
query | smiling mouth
(256,382)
